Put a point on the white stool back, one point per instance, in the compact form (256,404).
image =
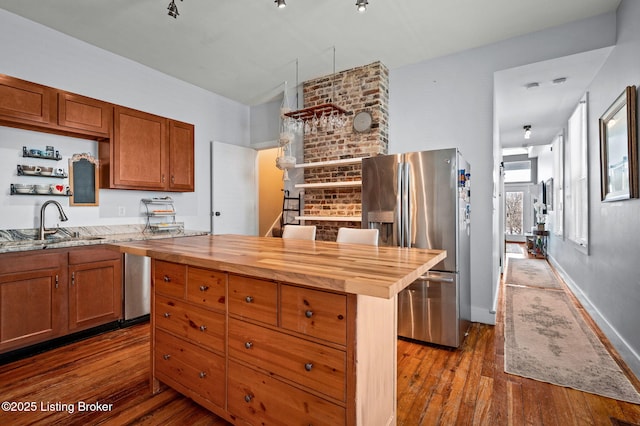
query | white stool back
(300,232)
(358,236)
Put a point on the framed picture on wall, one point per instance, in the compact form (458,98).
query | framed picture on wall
(548,186)
(618,149)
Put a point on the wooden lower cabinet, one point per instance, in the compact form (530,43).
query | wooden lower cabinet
(95,287)
(189,367)
(33,298)
(260,399)
(239,360)
(44,295)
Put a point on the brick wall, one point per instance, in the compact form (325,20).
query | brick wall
(364,88)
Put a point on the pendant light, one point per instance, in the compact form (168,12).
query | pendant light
(361,5)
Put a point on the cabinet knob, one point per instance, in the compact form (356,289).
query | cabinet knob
(173,179)
(167,314)
(248,345)
(248,299)
(166,356)
(308,314)
(202,374)
(248,398)
(204,287)
(162,178)
(167,279)
(308,366)
(203,328)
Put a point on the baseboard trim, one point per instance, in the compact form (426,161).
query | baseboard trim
(626,352)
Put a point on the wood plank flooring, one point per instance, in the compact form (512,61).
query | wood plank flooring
(436,386)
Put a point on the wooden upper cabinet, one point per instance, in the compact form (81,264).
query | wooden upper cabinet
(181,156)
(23,102)
(138,150)
(84,114)
(149,152)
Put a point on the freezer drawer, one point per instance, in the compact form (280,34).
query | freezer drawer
(428,310)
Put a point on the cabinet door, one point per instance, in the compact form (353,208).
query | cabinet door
(95,294)
(32,305)
(138,159)
(25,102)
(85,114)
(181,156)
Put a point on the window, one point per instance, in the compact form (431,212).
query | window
(577,196)
(557,148)
(517,171)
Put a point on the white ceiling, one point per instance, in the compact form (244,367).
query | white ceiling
(246,49)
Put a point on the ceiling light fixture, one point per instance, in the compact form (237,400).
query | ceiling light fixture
(532,85)
(559,80)
(527,131)
(173,9)
(281,4)
(361,5)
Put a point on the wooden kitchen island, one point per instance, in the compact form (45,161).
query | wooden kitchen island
(279,331)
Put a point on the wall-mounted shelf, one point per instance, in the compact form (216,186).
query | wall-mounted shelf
(330,184)
(14,191)
(22,172)
(48,154)
(331,218)
(327,163)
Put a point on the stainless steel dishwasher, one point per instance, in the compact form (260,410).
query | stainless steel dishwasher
(137,288)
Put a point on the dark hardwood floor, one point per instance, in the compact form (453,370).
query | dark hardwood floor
(436,386)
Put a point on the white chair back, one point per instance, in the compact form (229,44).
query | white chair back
(358,236)
(300,232)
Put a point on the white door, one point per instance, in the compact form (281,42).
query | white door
(233,189)
(518,213)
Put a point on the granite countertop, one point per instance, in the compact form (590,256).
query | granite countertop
(16,240)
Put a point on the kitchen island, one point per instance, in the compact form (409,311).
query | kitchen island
(276,331)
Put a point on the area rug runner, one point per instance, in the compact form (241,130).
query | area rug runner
(514,248)
(531,273)
(546,339)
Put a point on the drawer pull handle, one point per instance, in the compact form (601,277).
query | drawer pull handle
(248,299)
(202,374)
(166,357)
(308,366)
(248,345)
(167,279)
(203,328)
(167,314)
(204,287)
(308,314)
(248,398)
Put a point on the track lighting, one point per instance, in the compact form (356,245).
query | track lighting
(527,131)
(173,9)
(281,4)
(361,5)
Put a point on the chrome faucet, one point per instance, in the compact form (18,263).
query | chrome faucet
(44,231)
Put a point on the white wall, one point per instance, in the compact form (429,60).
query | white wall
(36,53)
(606,280)
(448,102)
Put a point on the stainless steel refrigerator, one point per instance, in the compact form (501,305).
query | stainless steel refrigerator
(422,199)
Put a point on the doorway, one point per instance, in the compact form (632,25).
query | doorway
(518,217)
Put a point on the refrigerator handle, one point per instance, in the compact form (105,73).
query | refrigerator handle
(406,220)
(400,211)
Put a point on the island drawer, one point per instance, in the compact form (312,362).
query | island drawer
(261,399)
(191,366)
(207,288)
(315,313)
(195,324)
(310,364)
(170,278)
(254,299)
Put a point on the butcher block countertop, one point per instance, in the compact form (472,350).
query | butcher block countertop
(350,268)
